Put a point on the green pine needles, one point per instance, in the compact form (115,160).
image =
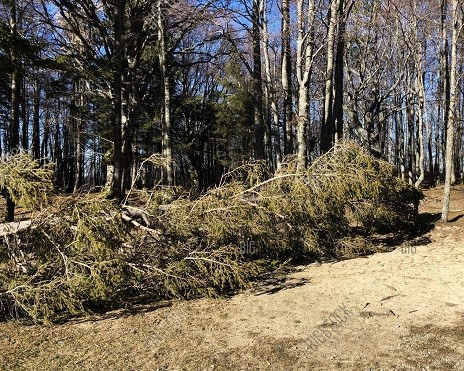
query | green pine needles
(87,254)
(28,184)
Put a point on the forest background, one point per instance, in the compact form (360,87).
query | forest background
(199,87)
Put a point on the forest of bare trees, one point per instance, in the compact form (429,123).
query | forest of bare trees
(98,87)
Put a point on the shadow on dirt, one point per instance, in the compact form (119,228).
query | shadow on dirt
(456,218)
(426,222)
(143,306)
(274,285)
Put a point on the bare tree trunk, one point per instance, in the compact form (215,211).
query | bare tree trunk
(117,85)
(25,118)
(445,74)
(429,129)
(166,129)
(420,89)
(457,23)
(287,78)
(339,73)
(58,158)
(13,135)
(270,97)
(126,128)
(420,113)
(36,120)
(259,129)
(79,158)
(13,140)
(411,140)
(304,62)
(401,142)
(327,128)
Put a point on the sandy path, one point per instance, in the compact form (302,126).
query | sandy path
(386,293)
(405,312)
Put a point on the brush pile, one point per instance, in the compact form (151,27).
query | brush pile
(88,254)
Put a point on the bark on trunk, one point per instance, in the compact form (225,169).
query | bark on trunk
(257,83)
(445,74)
(327,128)
(420,89)
(166,127)
(13,140)
(117,85)
(339,73)
(304,61)
(273,132)
(456,19)
(287,78)
(36,121)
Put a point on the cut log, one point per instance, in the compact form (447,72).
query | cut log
(14,227)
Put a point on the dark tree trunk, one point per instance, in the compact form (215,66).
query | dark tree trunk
(168,172)
(117,85)
(338,74)
(13,140)
(36,121)
(25,118)
(10,209)
(328,122)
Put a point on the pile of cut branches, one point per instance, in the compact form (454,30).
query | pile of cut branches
(82,256)
(294,213)
(68,261)
(89,254)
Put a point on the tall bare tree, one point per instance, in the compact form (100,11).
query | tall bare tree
(344,11)
(166,86)
(304,63)
(452,114)
(327,128)
(13,142)
(259,129)
(272,127)
(119,53)
(420,91)
(287,78)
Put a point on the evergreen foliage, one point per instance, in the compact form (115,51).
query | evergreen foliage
(86,254)
(28,184)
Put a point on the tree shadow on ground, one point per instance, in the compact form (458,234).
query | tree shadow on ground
(426,222)
(133,309)
(276,284)
(456,218)
(416,237)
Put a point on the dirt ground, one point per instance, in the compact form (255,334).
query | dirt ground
(400,310)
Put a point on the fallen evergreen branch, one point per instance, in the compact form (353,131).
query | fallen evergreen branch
(28,184)
(87,254)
